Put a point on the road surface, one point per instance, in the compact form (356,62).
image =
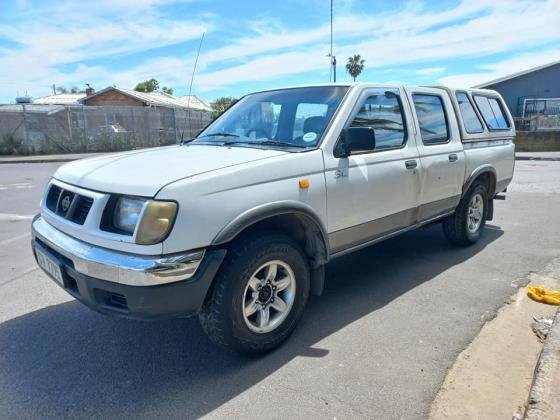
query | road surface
(377,344)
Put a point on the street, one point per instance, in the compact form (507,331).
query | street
(377,344)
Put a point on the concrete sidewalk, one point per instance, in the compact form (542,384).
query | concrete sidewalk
(501,361)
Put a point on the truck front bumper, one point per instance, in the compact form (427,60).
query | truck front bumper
(123,284)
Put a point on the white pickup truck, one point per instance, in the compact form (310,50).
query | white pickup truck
(238,224)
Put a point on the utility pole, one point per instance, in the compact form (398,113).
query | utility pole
(331,55)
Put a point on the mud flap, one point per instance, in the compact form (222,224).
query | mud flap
(318,280)
(489,210)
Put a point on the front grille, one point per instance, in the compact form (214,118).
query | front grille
(82,209)
(67,204)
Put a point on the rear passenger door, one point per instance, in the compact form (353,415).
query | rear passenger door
(440,149)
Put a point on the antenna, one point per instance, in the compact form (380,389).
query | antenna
(190,87)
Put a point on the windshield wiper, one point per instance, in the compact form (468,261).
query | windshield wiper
(219,135)
(279,143)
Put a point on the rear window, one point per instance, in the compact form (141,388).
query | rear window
(431,118)
(492,112)
(470,119)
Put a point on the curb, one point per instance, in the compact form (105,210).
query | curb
(550,159)
(48,158)
(12,161)
(543,398)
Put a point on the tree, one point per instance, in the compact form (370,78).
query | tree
(167,90)
(355,66)
(151,85)
(74,89)
(221,104)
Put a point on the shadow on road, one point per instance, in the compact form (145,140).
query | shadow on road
(66,360)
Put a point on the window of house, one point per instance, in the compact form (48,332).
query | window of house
(431,118)
(111,118)
(383,112)
(470,120)
(492,112)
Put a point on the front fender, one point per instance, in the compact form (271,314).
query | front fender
(313,223)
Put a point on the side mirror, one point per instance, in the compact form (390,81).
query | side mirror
(355,139)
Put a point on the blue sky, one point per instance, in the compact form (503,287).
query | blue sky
(252,45)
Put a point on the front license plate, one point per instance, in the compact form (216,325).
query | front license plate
(50,265)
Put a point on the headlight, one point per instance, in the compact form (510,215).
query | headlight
(157,220)
(152,220)
(127,212)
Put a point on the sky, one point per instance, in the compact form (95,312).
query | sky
(254,45)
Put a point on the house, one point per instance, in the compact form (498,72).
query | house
(60,99)
(195,102)
(117,96)
(532,91)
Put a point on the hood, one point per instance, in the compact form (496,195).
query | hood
(145,172)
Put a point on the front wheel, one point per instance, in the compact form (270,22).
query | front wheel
(465,226)
(259,294)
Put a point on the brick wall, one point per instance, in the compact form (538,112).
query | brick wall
(112,97)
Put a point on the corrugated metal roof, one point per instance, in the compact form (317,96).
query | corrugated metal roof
(31,108)
(514,75)
(60,99)
(195,102)
(148,98)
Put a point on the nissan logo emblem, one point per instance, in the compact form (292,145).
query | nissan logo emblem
(65,203)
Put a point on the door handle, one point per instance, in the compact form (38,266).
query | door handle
(411,164)
(453,157)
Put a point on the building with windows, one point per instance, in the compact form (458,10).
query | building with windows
(532,96)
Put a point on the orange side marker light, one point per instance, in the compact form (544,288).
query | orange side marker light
(304,183)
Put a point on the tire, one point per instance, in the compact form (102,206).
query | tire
(224,316)
(460,228)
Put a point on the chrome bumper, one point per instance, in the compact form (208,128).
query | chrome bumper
(114,266)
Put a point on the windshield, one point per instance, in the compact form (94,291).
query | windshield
(293,118)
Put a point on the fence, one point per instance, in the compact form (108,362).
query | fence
(64,129)
(539,115)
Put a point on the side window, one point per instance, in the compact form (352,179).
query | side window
(383,113)
(310,118)
(492,112)
(431,118)
(470,119)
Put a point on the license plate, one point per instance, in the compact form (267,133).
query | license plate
(50,265)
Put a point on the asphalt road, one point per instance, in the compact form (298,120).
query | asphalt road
(377,344)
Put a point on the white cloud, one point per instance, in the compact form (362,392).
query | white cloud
(429,71)
(270,49)
(502,68)
(402,37)
(54,42)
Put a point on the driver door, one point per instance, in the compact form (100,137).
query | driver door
(375,192)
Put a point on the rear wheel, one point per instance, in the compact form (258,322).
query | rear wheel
(259,294)
(465,226)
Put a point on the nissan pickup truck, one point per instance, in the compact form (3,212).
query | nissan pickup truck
(237,224)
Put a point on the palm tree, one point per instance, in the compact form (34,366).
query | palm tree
(355,66)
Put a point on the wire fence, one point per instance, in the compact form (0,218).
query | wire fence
(28,129)
(539,115)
